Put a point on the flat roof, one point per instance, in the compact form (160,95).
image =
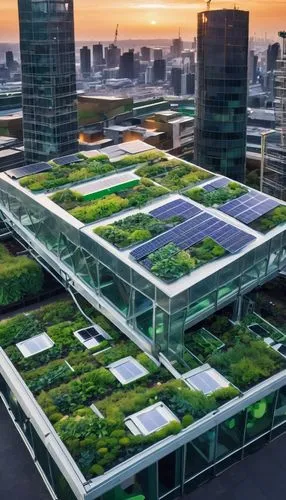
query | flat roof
(114,180)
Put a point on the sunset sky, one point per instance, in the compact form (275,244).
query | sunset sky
(96,19)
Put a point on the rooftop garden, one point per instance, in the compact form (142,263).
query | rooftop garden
(19,277)
(245,360)
(171,263)
(217,197)
(91,211)
(70,382)
(87,169)
(174,174)
(135,229)
(270,220)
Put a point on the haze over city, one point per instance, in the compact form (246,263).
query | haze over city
(149,19)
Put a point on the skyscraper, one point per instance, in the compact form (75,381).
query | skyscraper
(220,135)
(158,54)
(252,67)
(48,78)
(177,47)
(85,61)
(146,53)
(159,70)
(9,59)
(126,67)
(97,56)
(112,55)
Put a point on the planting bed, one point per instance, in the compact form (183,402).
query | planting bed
(218,196)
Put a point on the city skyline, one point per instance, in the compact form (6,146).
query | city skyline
(149,19)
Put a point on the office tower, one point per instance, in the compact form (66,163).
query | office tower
(252,67)
(220,135)
(157,54)
(274,143)
(48,79)
(145,53)
(112,56)
(188,84)
(85,61)
(126,66)
(159,70)
(176,80)
(272,56)
(9,59)
(97,51)
(177,47)
(149,75)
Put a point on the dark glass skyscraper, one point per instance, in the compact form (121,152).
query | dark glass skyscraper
(48,78)
(220,135)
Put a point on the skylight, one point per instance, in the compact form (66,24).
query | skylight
(127,370)
(35,345)
(206,381)
(150,419)
(91,336)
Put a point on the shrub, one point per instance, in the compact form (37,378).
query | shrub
(218,196)
(96,470)
(187,420)
(98,209)
(19,277)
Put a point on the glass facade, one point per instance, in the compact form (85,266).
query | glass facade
(221,112)
(188,466)
(144,307)
(48,78)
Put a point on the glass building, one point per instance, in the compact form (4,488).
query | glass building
(220,133)
(48,78)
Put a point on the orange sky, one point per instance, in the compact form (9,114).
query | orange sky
(96,19)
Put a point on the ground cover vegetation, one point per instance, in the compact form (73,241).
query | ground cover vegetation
(174,174)
(135,229)
(88,168)
(91,211)
(20,277)
(171,263)
(97,443)
(217,197)
(271,220)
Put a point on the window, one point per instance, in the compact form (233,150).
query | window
(127,370)
(35,345)
(150,419)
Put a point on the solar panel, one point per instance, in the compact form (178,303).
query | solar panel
(35,345)
(67,160)
(127,370)
(204,382)
(152,420)
(175,208)
(35,168)
(218,183)
(249,207)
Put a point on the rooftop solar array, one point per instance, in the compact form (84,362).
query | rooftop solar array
(207,381)
(195,230)
(175,208)
(35,168)
(91,336)
(219,183)
(67,160)
(249,207)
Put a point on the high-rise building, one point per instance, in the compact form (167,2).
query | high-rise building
(221,115)
(48,79)
(145,53)
(157,54)
(112,56)
(126,67)
(159,70)
(177,47)
(272,56)
(9,59)
(85,61)
(176,80)
(98,59)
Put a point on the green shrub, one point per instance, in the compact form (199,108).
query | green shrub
(187,420)
(218,196)
(19,277)
(96,470)
(271,220)
(98,209)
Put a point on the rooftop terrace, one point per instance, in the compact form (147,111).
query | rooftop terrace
(107,400)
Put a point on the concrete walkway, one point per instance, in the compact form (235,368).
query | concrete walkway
(19,478)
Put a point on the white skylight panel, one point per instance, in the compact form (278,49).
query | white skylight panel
(150,419)
(35,345)
(127,370)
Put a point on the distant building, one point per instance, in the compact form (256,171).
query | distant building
(272,56)
(176,80)
(159,70)
(10,60)
(252,67)
(97,52)
(157,54)
(85,61)
(112,56)
(177,47)
(145,53)
(221,114)
(126,66)
(48,79)
(182,82)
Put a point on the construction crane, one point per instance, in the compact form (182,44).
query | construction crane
(208,4)
(116,34)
